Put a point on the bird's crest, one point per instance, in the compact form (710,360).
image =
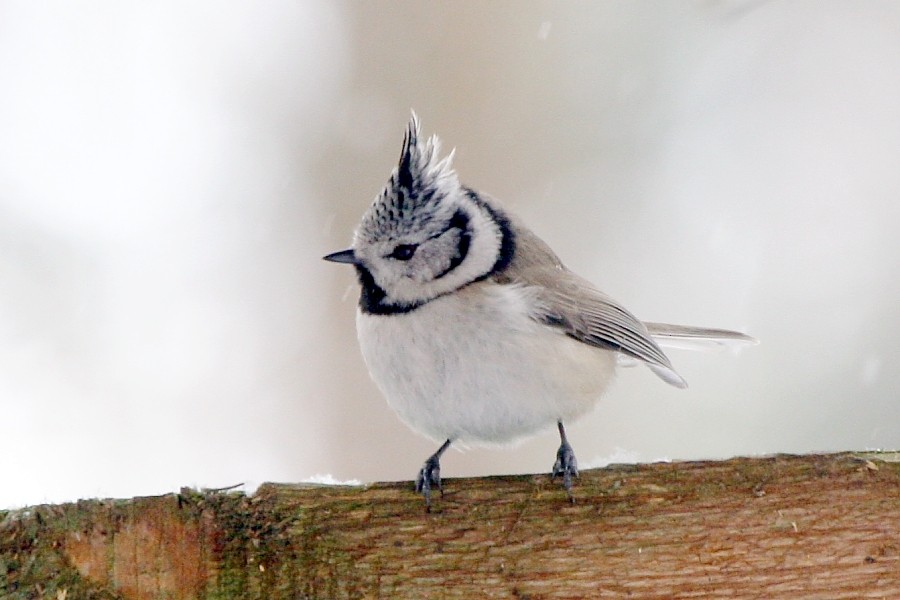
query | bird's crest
(414,195)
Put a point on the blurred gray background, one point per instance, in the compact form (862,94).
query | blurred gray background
(171,174)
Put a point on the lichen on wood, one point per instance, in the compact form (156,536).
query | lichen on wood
(782,526)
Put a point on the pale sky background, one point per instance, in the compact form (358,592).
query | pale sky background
(172,172)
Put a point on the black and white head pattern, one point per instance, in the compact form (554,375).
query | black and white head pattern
(425,235)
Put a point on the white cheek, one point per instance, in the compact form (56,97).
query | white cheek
(426,263)
(417,269)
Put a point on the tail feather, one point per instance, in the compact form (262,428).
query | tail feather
(686,337)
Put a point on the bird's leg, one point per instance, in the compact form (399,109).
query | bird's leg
(565,464)
(430,475)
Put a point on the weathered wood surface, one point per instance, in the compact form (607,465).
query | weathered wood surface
(823,526)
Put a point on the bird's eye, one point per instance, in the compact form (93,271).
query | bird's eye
(404,252)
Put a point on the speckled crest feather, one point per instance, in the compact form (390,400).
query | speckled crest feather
(412,199)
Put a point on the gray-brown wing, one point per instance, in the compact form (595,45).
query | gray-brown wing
(588,315)
(571,303)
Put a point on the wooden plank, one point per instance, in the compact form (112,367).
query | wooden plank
(811,526)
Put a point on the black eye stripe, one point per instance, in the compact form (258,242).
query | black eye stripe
(459,221)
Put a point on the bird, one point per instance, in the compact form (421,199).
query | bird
(472,327)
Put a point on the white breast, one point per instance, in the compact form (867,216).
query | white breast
(474,367)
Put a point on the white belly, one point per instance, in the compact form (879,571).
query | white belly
(474,368)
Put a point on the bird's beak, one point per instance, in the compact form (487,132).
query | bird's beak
(344,256)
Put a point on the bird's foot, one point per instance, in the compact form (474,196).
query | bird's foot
(567,467)
(430,476)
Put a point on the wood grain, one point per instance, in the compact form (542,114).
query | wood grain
(816,526)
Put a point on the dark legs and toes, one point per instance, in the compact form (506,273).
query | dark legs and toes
(430,475)
(565,464)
